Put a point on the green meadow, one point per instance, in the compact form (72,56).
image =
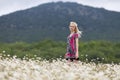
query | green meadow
(92,51)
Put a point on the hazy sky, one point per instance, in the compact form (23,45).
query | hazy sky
(8,6)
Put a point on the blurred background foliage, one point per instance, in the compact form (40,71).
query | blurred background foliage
(92,51)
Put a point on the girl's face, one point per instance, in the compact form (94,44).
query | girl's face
(72,28)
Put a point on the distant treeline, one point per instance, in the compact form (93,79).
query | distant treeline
(49,20)
(92,51)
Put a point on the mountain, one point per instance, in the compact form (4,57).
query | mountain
(51,21)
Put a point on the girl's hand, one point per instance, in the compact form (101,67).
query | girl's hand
(77,55)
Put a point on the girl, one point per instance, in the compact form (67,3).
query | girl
(72,42)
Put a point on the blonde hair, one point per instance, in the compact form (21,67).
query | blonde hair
(76,28)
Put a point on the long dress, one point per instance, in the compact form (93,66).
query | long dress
(71,46)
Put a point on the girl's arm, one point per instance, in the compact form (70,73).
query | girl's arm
(77,54)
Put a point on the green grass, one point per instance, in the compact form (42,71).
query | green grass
(97,51)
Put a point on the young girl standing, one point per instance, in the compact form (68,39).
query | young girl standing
(72,42)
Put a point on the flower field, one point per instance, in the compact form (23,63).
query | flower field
(17,69)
